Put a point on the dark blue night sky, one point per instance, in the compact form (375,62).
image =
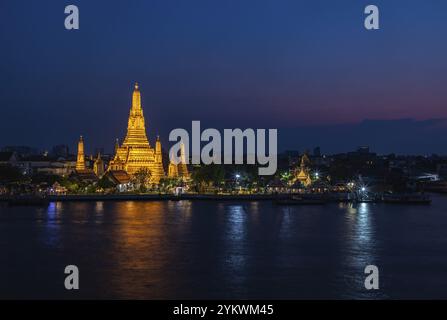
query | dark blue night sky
(308,68)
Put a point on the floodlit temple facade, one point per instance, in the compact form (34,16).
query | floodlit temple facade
(303,173)
(82,172)
(80,161)
(179,170)
(135,152)
(98,166)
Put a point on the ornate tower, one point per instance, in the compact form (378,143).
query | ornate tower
(136,153)
(80,162)
(172,170)
(181,169)
(158,158)
(98,166)
(158,170)
(136,129)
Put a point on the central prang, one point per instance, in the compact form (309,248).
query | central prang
(136,153)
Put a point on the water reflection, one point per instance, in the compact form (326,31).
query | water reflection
(233,256)
(360,248)
(145,237)
(203,249)
(51,211)
(99,207)
(236,220)
(51,235)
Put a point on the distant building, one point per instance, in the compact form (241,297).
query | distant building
(46,165)
(60,151)
(442,170)
(99,151)
(8,158)
(291,157)
(363,149)
(21,151)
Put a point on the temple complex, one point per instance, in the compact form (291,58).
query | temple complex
(135,152)
(303,173)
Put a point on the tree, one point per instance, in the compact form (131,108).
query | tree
(105,183)
(142,179)
(10,174)
(50,179)
(167,184)
(208,175)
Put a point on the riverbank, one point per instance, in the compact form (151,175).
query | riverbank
(158,197)
(415,199)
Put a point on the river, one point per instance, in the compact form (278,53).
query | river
(223,250)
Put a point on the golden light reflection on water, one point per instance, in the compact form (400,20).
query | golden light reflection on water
(144,234)
(178,249)
(99,207)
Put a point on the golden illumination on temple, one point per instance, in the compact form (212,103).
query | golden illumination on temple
(98,166)
(179,170)
(136,153)
(80,162)
(303,173)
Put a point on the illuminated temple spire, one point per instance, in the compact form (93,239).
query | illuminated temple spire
(158,156)
(117,146)
(135,153)
(80,162)
(136,130)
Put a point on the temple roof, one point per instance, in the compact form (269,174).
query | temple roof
(86,174)
(119,176)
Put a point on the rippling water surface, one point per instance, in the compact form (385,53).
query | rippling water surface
(200,249)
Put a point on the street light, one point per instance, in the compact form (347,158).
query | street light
(237,181)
